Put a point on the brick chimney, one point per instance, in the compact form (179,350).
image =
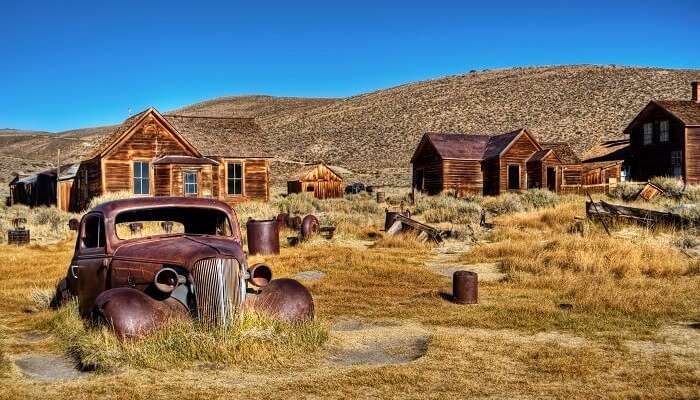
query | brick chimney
(695,96)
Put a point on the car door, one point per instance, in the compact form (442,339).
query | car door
(90,266)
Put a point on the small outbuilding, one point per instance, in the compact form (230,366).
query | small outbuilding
(318,179)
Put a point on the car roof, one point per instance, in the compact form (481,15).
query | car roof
(112,208)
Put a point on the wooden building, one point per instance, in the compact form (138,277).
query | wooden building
(318,179)
(174,155)
(40,189)
(664,139)
(570,169)
(484,164)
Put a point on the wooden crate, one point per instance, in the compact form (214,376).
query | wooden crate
(650,191)
(18,236)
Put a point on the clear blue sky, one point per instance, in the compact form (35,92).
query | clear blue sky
(70,64)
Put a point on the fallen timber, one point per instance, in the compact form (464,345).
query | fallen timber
(403,223)
(602,211)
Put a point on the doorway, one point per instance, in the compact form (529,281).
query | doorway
(514,177)
(552,179)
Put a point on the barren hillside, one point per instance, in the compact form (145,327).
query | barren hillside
(374,134)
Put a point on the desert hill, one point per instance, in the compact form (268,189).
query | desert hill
(374,134)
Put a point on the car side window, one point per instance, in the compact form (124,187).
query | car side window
(93,232)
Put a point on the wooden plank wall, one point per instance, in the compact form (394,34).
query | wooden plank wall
(692,155)
(463,176)
(492,176)
(256,180)
(118,176)
(518,154)
(655,159)
(161,180)
(571,174)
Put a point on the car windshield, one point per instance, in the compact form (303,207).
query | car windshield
(171,220)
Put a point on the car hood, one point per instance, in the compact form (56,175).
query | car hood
(182,250)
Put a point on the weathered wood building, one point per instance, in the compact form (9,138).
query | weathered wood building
(173,155)
(484,164)
(318,179)
(39,189)
(664,139)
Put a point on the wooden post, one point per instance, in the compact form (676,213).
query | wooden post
(58,175)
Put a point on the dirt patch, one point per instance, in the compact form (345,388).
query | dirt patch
(48,367)
(681,341)
(309,275)
(378,345)
(444,262)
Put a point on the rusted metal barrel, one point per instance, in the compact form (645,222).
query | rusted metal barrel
(380,197)
(465,287)
(309,227)
(263,237)
(294,223)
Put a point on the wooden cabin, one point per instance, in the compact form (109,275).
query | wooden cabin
(606,162)
(174,155)
(40,189)
(318,179)
(483,164)
(570,169)
(664,139)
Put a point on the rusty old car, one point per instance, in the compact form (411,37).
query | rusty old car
(141,262)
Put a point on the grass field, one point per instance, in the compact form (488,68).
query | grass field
(561,315)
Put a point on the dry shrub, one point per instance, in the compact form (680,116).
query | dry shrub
(404,241)
(109,196)
(297,203)
(504,204)
(46,224)
(252,339)
(446,208)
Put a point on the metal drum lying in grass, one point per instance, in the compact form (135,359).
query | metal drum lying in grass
(263,237)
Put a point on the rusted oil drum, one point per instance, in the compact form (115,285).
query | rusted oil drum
(309,227)
(380,197)
(263,237)
(282,221)
(465,287)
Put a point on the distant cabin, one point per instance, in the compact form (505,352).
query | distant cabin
(173,155)
(664,139)
(486,164)
(317,179)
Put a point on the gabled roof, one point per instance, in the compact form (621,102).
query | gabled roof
(540,155)
(461,146)
(213,136)
(303,172)
(612,150)
(685,111)
(124,131)
(563,151)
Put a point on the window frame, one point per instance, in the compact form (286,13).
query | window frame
(185,184)
(677,162)
(241,179)
(101,234)
(134,178)
(664,135)
(647,135)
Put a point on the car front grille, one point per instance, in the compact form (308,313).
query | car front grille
(217,284)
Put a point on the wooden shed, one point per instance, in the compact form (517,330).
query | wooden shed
(318,179)
(483,164)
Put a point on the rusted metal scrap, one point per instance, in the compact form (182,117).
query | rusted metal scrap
(263,236)
(602,210)
(465,287)
(403,223)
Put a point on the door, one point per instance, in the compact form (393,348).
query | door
(552,179)
(513,177)
(418,183)
(90,266)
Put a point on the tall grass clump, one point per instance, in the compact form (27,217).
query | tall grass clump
(404,241)
(504,204)
(672,187)
(253,340)
(626,191)
(46,224)
(256,210)
(540,198)
(109,196)
(297,203)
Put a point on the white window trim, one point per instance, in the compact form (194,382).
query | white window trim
(242,178)
(185,184)
(133,176)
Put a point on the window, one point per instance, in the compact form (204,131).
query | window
(234,178)
(190,179)
(676,162)
(141,177)
(513,177)
(93,232)
(663,131)
(648,133)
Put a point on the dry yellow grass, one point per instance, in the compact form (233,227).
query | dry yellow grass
(517,342)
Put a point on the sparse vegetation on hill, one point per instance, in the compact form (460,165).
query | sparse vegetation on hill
(374,134)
